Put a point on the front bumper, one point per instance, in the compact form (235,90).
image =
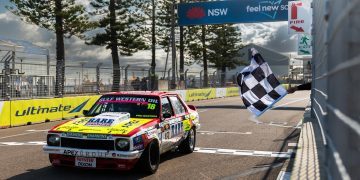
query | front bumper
(104,159)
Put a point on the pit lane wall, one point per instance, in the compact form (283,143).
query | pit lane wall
(30,111)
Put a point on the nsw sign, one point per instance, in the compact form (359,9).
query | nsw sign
(304,44)
(299,17)
(232,11)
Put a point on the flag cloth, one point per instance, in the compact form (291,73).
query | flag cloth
(258,85)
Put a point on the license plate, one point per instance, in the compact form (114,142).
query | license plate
(85,162)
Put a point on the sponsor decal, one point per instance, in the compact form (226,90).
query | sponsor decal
(124,99)
(99,122)
(85,153)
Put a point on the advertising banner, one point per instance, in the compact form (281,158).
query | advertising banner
(232,11)
(232,91)
(299,18)
(4,114)
(200,94)
(78,104)
(39,110)
(220,92)
(304,44)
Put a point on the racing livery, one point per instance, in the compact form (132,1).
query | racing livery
(124,129)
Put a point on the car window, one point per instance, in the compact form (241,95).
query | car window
(137,105)
(177,105)
(166,106)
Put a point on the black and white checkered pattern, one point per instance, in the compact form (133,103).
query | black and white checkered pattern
(259,87)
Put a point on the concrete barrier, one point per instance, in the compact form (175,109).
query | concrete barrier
(30,111)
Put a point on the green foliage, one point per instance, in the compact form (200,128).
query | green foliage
(42,13)
(224,46)
(129,25)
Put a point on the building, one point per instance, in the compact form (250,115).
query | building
(278,62)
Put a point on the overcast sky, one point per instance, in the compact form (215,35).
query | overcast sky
(271,35)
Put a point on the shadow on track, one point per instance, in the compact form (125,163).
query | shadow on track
(69,173)
(292,137)
(243,107)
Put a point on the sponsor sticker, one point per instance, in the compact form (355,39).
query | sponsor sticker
(100,122)
(85,162)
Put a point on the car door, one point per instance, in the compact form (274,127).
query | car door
(177,130)
(165,124)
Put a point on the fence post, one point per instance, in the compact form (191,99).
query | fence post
(214,78)
(98,78)
(201,78)
(7,79)
(169,79)
(126,77)
(186,79)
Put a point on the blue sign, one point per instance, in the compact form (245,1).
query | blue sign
(232,11)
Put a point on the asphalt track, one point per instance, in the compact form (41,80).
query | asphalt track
(231,144)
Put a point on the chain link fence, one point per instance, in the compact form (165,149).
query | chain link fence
(335,93)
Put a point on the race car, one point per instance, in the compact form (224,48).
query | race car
(125,129)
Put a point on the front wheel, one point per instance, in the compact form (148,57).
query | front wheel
(150,158)
(188,144)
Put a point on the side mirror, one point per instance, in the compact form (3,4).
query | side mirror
(166,115)
(85,112)
(192,107)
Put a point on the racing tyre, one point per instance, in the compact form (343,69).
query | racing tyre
(150,158)
(188,144)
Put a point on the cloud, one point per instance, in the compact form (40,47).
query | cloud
(271,35)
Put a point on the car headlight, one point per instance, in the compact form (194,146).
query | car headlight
(53,140)
(122,144)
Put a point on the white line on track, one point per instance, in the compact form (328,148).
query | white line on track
(36,130)
(36,143)
(291,102)
(237,152)
(19,134)
(223,132)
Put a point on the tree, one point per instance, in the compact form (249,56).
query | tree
(224,46)
(120,26)
(64,17)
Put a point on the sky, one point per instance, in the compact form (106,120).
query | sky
(270,35)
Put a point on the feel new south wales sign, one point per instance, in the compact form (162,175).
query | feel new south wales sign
(232,11)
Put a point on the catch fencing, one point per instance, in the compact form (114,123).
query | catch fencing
(335,92)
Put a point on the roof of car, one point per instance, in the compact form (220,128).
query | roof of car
(147,93)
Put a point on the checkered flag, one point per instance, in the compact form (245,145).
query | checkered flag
(259,87)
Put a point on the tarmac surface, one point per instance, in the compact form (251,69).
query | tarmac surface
(231,144)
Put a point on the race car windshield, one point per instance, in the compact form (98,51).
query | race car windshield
(137,106)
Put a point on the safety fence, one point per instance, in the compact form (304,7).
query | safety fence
(23,112)
(335,92)
(22,79)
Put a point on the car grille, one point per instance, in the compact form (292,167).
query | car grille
(87,144)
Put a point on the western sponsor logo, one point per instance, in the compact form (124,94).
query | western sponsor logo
(35,110)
